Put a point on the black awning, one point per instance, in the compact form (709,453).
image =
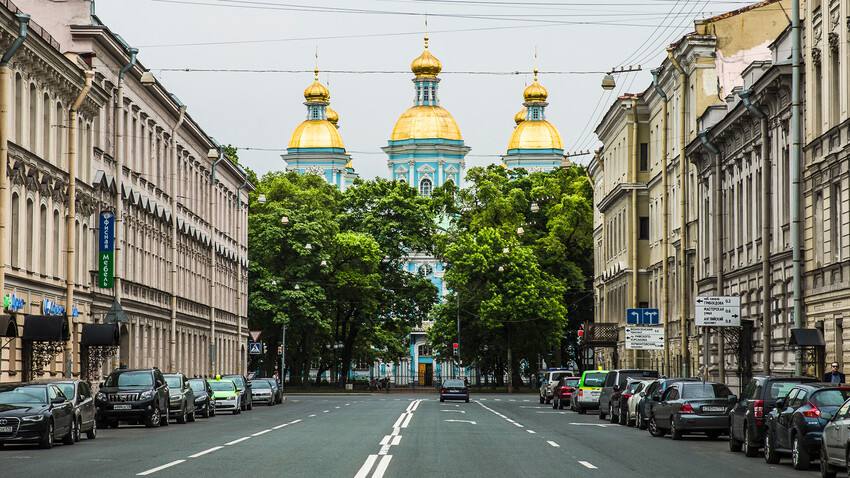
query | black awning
(807,338)
(46,328)
(100,334)
(8,326)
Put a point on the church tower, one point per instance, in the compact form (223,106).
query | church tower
(426,149)
(535,144)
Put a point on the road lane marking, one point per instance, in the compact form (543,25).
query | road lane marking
(531,431)
(367,467)
(238,440)
(554,444)
(401,418)
(382,466)
(588,465)
(462,421)
(154,470)
(311,416)
(326,411)
(293,422)
(261,433)
(202,453)
(396,431)
(407,420)
(456,411)
(519,425)
(280,426)
(603,425)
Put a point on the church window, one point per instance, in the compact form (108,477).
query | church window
(425,270)
(426,93)
(425,187)
(315,113)
(535,114)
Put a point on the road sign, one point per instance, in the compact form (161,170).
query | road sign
(717,311)
(255,334)
(642,316)
(255,348)
(645,338)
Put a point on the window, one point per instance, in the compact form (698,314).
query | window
(425,270)
(15,229)
(424,350)
(749,390)
(643,234)
(535,114)
(427,96)
(315,113)
(425,187)
(644,156)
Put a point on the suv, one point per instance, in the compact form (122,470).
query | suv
(135,396)
(758,398)
(244,387)
(181,398)
(550,378)
(587,395)
(646,404)
(614,382)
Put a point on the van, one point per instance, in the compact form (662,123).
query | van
(549,379)
(615,381)
(587,396)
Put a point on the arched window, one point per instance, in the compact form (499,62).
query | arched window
(45,127)
(58,120)
(57,242)
(15,230)
(19,109)
(33,118)
(30,234)
(425,187)
(42,243)
(77,251)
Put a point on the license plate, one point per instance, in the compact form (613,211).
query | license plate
(123,407)
(5,429)
(594,394)
(714,409)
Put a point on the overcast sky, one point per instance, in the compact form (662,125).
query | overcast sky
(365,48)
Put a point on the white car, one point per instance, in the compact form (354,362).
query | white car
(634,400)
(550,378)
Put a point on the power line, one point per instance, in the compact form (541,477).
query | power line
(373,72)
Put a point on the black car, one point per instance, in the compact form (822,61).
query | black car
(795,426)
(688,407)
(244,387)
(454,389)
(78,392)
(758,398)
(35,413)
(133,396)
(204,401)
(181,398)
(614,382)
(646,404)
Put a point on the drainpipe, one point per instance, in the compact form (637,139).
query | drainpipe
(765,227)
(664,220)
(181,114)
(718,253)
(683,215)
(796,176)
(71,226)
(4,141)
(212,254)
(635,220)
(239,270)
(119,174)
(598,154)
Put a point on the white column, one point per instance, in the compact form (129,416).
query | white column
(440,175)
(410,164)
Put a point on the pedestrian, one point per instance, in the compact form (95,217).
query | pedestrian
(373,384)
(835,376)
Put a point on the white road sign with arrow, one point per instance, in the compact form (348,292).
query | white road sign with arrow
(717,311)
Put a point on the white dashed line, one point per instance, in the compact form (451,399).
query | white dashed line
(261,433)
(382,466)
(237,441)
(554,444)
(531,431)
(311,416)
(202,453)
(154,470)
(367,467)
(279,426)
(588,465)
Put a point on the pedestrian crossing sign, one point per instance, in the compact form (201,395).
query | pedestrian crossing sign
(255,348)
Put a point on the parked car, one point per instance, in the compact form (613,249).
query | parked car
(227,396)
(35,413)
(632,403)
(78,392)
(550,378)
(562,391)
(757,400)
(615,381)
(795,426)
(621,398)
(688,407)
(261,392)
(244,387)
(278,393)
(589,386)
(139,395)
(835,443)
(181,398)
(454,389)
(204,400)
(655,388)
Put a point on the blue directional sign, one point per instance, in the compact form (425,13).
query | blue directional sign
(642,316)
(255,348)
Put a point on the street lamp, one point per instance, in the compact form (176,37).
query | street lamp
(147,79)
(608,82)
(284,220)
(534,207)
(261,199)
(308,246)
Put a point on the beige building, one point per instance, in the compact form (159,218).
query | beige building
(181,216)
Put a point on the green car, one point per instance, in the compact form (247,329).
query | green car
(226,395)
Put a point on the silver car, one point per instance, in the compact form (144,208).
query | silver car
(835,442)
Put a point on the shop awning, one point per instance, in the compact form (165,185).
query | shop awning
(100,334)
(806,338)
(46,328)
(8,326)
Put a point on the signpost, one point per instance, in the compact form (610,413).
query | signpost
(645,338)
(642,316)
(718,311)
(255,334)
(255,348)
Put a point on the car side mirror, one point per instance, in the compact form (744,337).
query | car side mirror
(780,403)
(642,394)
(733,399)
(101,384)
(57,400)
(616,388)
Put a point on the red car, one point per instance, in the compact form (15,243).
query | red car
(562,391)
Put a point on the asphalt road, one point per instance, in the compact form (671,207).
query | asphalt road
(404,435)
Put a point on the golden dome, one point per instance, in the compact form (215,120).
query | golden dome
(535,93)
(332,115)
(520,117)
(317,92)
(535,134)
(426,65)
(348,165)
(316,134)
(426,122)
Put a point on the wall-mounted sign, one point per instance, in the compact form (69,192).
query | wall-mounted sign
(10,302)
(644,338)
(106,246)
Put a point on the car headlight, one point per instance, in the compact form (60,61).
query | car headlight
(101,396)
(146,395)
(33,418)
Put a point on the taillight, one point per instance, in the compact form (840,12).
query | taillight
(444,390)
(758,408)
(813,413)
(627,395)
(581,393)
(686,409)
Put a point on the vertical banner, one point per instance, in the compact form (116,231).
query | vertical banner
(106,256)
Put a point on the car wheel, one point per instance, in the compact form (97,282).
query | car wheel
(47,440)
(467,399)
(560,404)
(623,418)
(770,455)
(800,458)
(675,433)
(212,409)
(250,405)
(639,422)
(713,434)
(734,443)
(749,449)
(654,429)
(601,413)
(181,418)
(237,411)
(92,434)
(191,416)
(154,420)
(442,399)
(554,404)
(826,470)
(580,410)
(78,430)
(611,417)
(542,400)
(69,438)
(206,412)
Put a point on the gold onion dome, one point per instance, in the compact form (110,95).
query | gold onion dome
(535,93)
(332,115)
(317,91)
(316,134)
(520,117)
(426,122)
(537,134)
(426,65)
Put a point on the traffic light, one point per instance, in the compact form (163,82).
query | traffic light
(454,348)
(580,333)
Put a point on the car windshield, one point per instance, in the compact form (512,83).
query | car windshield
(197,385)
(260,385)
(223,386)
(558,376)
(130,379)
(237,379)
(594,379)
(573,382)
(23,395)
(453,383)
(173,382)
(831,398)
(705,390)
(780,389)
(632,387)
